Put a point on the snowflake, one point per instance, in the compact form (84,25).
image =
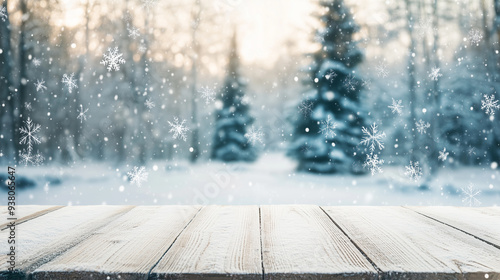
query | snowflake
(366,83)
(422,126)
(475,36)
(69,82)
(208,94)
(443,155)
(413,171)
(28,106)
(381,69)
(138,175)
(149,103)
(81,114)
(396,107)
(148,4)
(3,14)
(470,194)
(127,17)
(178,129)
(133,32)
(142,48)
(489,105)
(373,163)
(350,83)
(328,127)
(330,75)
(33,159)
(471,151)
(113,59)
(37,62)
(40,85)
(29,134)
(305,108)
(253,135)
(423,27)
(373,138)
(434,75)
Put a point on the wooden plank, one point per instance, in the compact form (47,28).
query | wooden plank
(405,244)
(481,222)
(222,242)
(40,240)
(128,246)
(25,213)
(301,242)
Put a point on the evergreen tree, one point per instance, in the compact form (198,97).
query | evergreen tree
(230,143)
(328,131)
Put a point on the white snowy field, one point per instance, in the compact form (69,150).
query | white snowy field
(270,180)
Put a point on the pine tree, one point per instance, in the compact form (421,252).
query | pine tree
(230,143)
(328,131)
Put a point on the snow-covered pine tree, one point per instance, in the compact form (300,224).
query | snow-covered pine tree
(328,131)
(230,143)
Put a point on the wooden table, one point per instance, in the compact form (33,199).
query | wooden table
(253,242)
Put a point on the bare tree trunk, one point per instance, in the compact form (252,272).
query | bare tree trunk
(194,115)
(412,83)
(22,93)
(435,119)
(7,114)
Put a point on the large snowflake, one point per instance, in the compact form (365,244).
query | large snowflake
(69,81)
(413,171)
(396,106)
(372,137)
(113,59)
(327,127)
(30,138)
(178,129)
(37,62)
(254,135)
(489,105)
(470,193)
(149,103)
(305,108)
(81,114)
(208,94)
(40,85)
(475,36)
(381,69)
(422,126)
(373,163)
(3,13)
(350,83)
(434,75)
(443,155)
(138,175)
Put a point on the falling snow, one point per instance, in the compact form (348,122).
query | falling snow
(179,130)
(255,135)
(396,107)
(40,85)
(381,70)
(434,75)
(413,171)
(350,83)
(3,14)
(133,32)
(113,59)
(489,105)
(327,127)
(330,75)
(422,126)
(81,114)
(30,138)
(443,155)
(36,62)
(208,94)
(470,194)
(305,108)
(373,163)
(69,81)
(149,103)
(138,175)
(475,36)
(372,137)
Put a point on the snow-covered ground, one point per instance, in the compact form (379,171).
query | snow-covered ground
(270,180)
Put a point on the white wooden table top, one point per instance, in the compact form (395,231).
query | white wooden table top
(253,242)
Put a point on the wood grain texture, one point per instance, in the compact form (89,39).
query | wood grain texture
(406,245)
(25,213)
(481,222)
(222,242)
(301,242)
(41,239)
(128,246)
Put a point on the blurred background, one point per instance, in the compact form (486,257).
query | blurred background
(251,102)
